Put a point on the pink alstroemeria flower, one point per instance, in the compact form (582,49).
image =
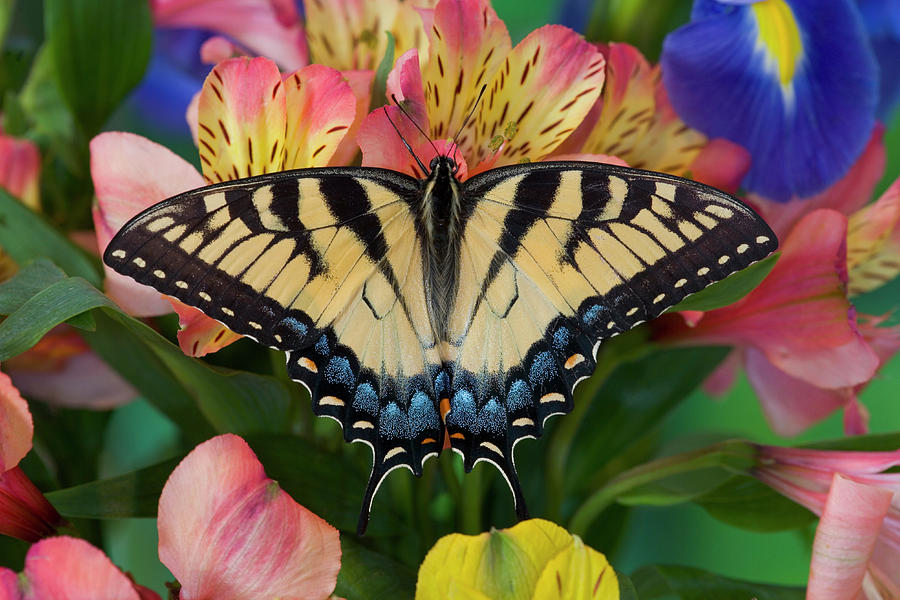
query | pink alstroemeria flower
(797,332)
(634,121)
(270,28)
(537,93)
(24,512)
(20,169)
(856,553)
(65,568)
(251,121)
(226,531)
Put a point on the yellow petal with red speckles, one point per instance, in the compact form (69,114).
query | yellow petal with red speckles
(349,34)
(873,243)
(241,120)
(321,108)
(577,573)
(540,94)
(467,45)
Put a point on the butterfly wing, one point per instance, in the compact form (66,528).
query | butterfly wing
(325,265)
(557,257)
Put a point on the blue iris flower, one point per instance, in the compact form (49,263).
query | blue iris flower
(793,81)
(882,21)
(575,14)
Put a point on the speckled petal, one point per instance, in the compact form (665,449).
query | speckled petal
(321,108)
(241,120)
(16,427)
(200,335)
(349,34)
(540,94)
(873,243)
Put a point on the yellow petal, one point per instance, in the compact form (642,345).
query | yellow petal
(873,243)
(578,573)
(503,565)
(540,94)
(241,119)
(321,108)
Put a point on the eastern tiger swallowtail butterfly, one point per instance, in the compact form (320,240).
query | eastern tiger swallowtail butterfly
(413,307)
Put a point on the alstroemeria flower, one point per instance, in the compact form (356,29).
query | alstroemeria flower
(228,532)
(20,169)
(793,81)
(349,34)
(537,93)
(856,553)
(634,121)
(62,370)
(251,121)
(801,344)
(65,568)
(534,559)
(24,512)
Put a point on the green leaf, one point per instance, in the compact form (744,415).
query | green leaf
(689,583)
(366,574)
(45,310)
(100,51)
(749,504)
(26,283)
(627,590)
(729,290)
(26,236)
(134,494)
(381,74)
(327,483)
(6,11)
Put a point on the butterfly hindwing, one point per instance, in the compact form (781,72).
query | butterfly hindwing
(319,263)
(565,255)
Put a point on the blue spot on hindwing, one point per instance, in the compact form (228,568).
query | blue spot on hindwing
(392,423)
(462,410)
(542,369)
(339,371)
(295,326)
(591,314)
(491,418)
(519,395)
(365,399)
(422,414)
(322,345)
(561,339)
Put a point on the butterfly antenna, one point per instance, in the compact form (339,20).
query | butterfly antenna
(413,121)
(405,143)
(466,120)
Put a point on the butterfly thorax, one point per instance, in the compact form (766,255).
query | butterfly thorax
(439,213)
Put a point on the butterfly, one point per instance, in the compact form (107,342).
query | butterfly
(418,308)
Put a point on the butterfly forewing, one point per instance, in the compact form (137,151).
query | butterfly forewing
(562,256)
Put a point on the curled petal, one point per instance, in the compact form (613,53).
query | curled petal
(16,426)
(218,48)
(200,335)
(405,83)
(543,90)
(24,511)
(132,173)
(321,108)
(468,44)
(227,531)
(778,70)
(855,462)
(67,568)
(268,27)
(241,120)
(361,84)
(845,539)
(20,169)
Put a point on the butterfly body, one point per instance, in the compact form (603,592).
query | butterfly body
(414,309)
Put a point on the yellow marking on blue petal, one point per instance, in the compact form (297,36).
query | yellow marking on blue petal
(779,33)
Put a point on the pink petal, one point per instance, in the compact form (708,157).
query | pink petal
(16,426)
(791,405)
(24,511)
(721,164)
(9,585)
(228,531)
(799,317)
(845,539)
(218,48)
(361,84)
(601,158)
(723,378)
(132,173)
(847,195)
(65,568)
(321,108)
(856,417)
(242,120)
(20,169)
(405,83)
(200,335)
(269,28)
(848,462)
